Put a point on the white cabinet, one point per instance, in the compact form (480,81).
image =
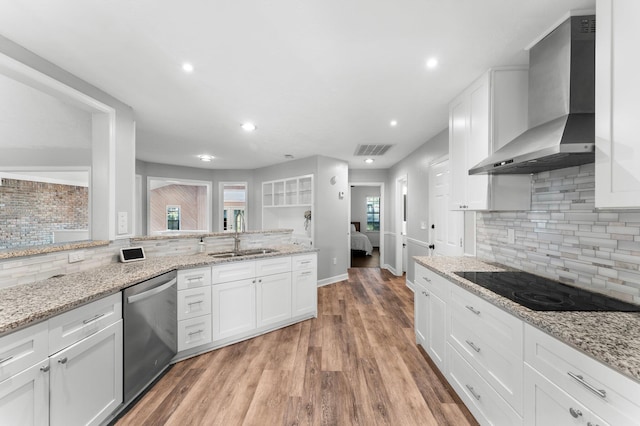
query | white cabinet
(24,377)
(86,379)
(430,312)
(564,380)
(234,308)
(304,285)
(617,107)
(194,308)
(490,340)
(285,203)
(487,115)
(273,298)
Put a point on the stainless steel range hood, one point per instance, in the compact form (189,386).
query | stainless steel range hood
(561,105)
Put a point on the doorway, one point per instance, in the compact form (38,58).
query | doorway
(402,201)
(366,225)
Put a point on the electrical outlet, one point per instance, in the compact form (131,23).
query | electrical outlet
(122,223)
(511,236)
(335,260)
(76,256)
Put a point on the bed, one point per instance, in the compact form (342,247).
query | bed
(359,241)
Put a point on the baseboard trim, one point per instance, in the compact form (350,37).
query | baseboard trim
(331,280)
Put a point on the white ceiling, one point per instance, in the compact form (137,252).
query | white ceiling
(318,77)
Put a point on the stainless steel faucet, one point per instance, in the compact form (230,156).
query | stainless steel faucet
(239,228)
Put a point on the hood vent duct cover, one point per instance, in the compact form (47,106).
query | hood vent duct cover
(561,105)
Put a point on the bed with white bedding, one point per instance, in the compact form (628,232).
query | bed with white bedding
(360,241)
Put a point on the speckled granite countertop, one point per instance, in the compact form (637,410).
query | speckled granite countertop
(27,304)
(612,338)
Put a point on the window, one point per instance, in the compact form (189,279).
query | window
(173,218)
(234,205)
(373,213)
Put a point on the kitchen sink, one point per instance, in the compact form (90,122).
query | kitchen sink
(241,253)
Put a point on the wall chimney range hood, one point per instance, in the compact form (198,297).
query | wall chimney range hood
(561,105)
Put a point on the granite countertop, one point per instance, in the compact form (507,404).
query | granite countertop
(612,338)
(28,304)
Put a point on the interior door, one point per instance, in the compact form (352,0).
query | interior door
(447,227)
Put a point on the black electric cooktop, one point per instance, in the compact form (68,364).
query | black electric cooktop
(541,294)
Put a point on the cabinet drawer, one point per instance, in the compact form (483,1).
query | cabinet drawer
(275,265)
(432,282)
(233,271)
(303,262)
(606,392)
(70,327)
(194,302)
(190,278)
(194,332)
(22,349)
(500,368)
(499,329)
(485,404)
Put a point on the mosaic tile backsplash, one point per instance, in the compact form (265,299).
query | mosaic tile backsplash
(565,238)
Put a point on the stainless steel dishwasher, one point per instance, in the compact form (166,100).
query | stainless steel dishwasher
(150,331)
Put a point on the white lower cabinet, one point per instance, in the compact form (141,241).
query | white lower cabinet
(234,308)
(86,379)
(24,398)
(547,404)
(273,298)
(430,312)
(74,373)
(304,285)
(194,308)
(194,332)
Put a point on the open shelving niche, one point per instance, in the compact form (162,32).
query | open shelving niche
(284,203)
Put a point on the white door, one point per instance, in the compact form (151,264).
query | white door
(447,227)
(234,308)
(86,379)
(274,298)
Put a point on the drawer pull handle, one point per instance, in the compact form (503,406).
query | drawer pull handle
(306,273)
(195,278)
(306,262)
(195,303)
(62,360)
(575,413)
(44,368)
(195,332)
(2,361)
(87,321)
(472,309)
(473,392)
(600,392)
(473,346)
(426,279)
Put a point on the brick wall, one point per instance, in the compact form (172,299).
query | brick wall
(565,238)
(31,211)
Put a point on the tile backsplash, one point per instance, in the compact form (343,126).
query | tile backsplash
(565,238)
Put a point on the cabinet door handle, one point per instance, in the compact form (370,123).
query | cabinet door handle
(473,392)
(62,360)
(473,346)
(472,309)
(426,294)
(426,279)
(2,361)
(195,332)
(87,321)
(44,368)
(575,413)
(600,392)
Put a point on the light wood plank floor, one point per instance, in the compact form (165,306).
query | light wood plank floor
(356,364)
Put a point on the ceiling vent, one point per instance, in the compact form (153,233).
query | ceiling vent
(369,150)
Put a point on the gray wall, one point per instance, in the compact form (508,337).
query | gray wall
(416,167)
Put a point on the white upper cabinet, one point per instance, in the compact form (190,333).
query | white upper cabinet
(617,107)
(487,115)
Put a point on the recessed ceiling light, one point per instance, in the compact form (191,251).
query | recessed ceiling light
(187,67)
(432,63)
(393,123)
(369,160)
(249,127)
(206,157)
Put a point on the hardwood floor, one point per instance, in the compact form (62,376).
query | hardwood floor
(356,364)
(361,260)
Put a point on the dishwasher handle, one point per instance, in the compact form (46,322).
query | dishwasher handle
(146,294)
